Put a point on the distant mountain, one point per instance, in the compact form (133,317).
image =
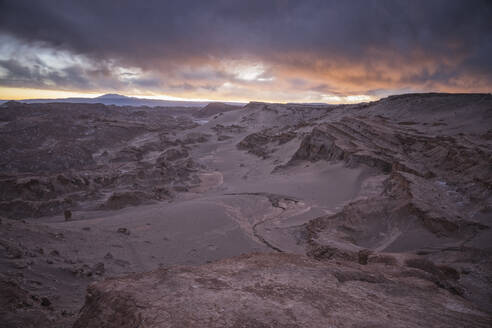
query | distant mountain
(121,100)
(113,96)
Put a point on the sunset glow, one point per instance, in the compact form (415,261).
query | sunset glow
(279,52)
(26,93)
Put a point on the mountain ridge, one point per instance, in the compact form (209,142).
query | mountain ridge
(122,100)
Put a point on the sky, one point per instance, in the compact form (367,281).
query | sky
(238,50)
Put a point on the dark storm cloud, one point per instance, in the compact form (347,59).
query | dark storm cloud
(35,77)
(382,40)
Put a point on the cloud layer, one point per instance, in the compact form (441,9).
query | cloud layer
(244,50)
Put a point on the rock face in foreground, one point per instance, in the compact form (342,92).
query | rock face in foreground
(277,290)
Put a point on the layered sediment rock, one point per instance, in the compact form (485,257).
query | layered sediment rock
(263,143)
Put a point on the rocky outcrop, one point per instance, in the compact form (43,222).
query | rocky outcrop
(322,143)
(434,199)
(57,157)
(277,290)
(263,143)
(438,182)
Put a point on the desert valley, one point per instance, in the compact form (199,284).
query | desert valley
(263,215)
(246,164)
